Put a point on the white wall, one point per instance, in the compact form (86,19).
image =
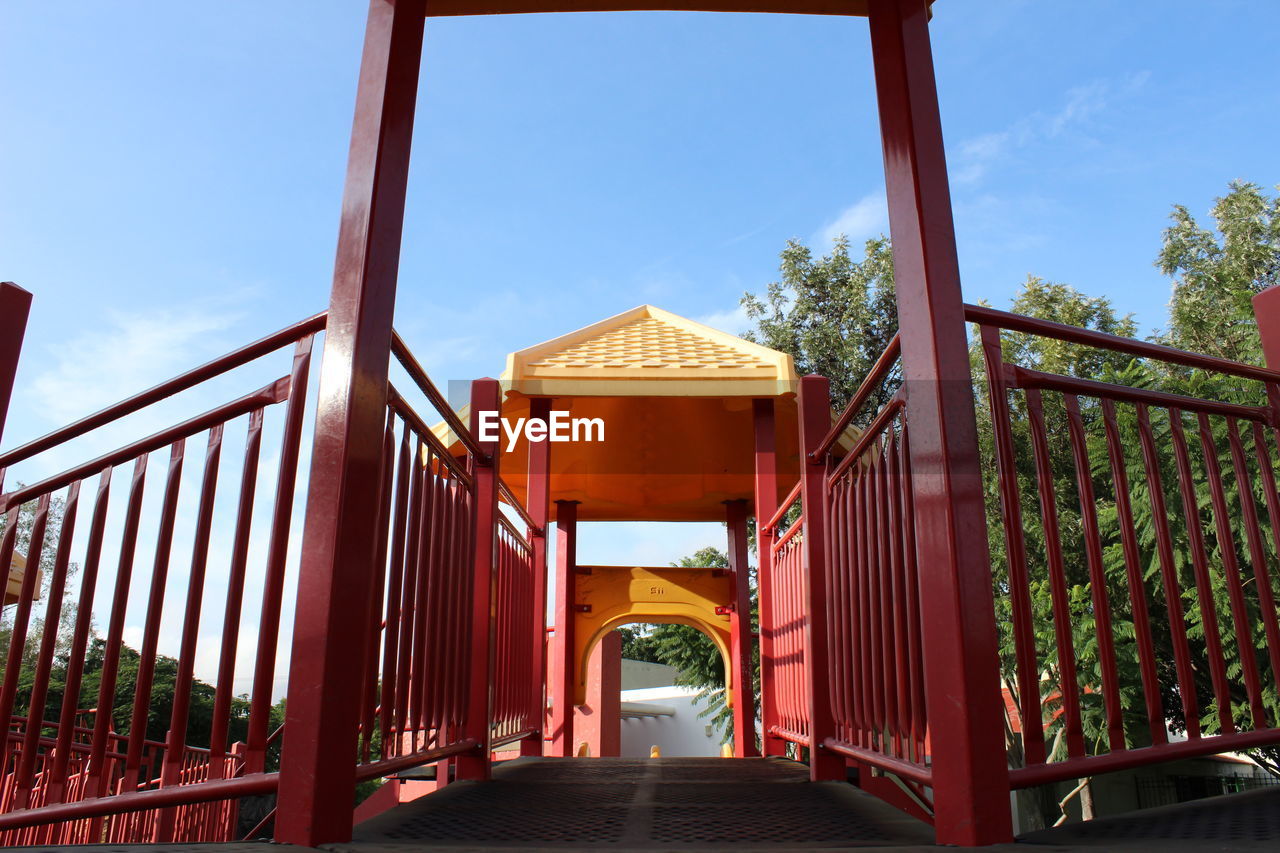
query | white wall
(683,735)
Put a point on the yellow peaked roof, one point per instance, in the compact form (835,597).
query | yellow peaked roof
(676,400)
(654,353)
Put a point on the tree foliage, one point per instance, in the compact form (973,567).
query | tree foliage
(1216,271)
(160,699)
(834,316)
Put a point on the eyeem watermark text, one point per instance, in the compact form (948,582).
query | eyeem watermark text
(559,427)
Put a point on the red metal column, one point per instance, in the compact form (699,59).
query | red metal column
(317,774)
(15,307)
(1266,308)
(815,423)
(478,725)
(970,773)
(740,638)
(538,503)
(766,505)
(598,724)
(562,669)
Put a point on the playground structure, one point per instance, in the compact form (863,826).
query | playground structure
(421,551)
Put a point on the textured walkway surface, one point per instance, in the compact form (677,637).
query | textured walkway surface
(718,805)
(642,804)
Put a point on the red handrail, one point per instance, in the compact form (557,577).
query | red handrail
(218,366)
(984,316)
(874,379)
(410,363)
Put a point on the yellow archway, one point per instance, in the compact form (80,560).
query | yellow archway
(608,597)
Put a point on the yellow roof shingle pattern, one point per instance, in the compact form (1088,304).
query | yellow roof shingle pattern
(649,342)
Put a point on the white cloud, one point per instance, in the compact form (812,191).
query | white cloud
(734,321)
(976,156)
(131,352)
(862,220)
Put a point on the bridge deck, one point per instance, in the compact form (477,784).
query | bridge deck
(713,805)
(642,804)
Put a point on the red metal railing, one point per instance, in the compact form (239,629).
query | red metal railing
(202,822)
(875,652)
(416,670)
(1164,507)
(515,714)
(66,783)
(785,623)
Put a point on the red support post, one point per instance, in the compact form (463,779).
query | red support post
(486,396)
(317,773)
(15,308)
(815,422)
(766,484)
(1266,309)
(538,504)
(970,772)
(740,637)
(562,698)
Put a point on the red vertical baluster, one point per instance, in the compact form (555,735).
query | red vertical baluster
(1133,571)
(79,640)
(1245,647)
(1168,575)
(155,609)
(277,554)
(562,702)
(391,642)
(878,595)
(477,725)
(1024,637)
(1200,564)
(1257,552)
(837,607)
(48,648)
(410,613)
(99,777)
(1266,596)
(434,548)
(744,717)
(225,686)
(374,628)
(901,677)
(867,598)
(443,531)
(815,421)
(539,507)
(176,741)
(22,612)
(1069,686)
(915,645)
(1097,575)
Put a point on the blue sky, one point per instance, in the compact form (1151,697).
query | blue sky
(171,172)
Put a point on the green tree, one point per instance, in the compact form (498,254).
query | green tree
(1217,271)
(637,644)
(833,315)
(1215,274)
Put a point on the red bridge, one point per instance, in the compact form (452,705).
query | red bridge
(393,569)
